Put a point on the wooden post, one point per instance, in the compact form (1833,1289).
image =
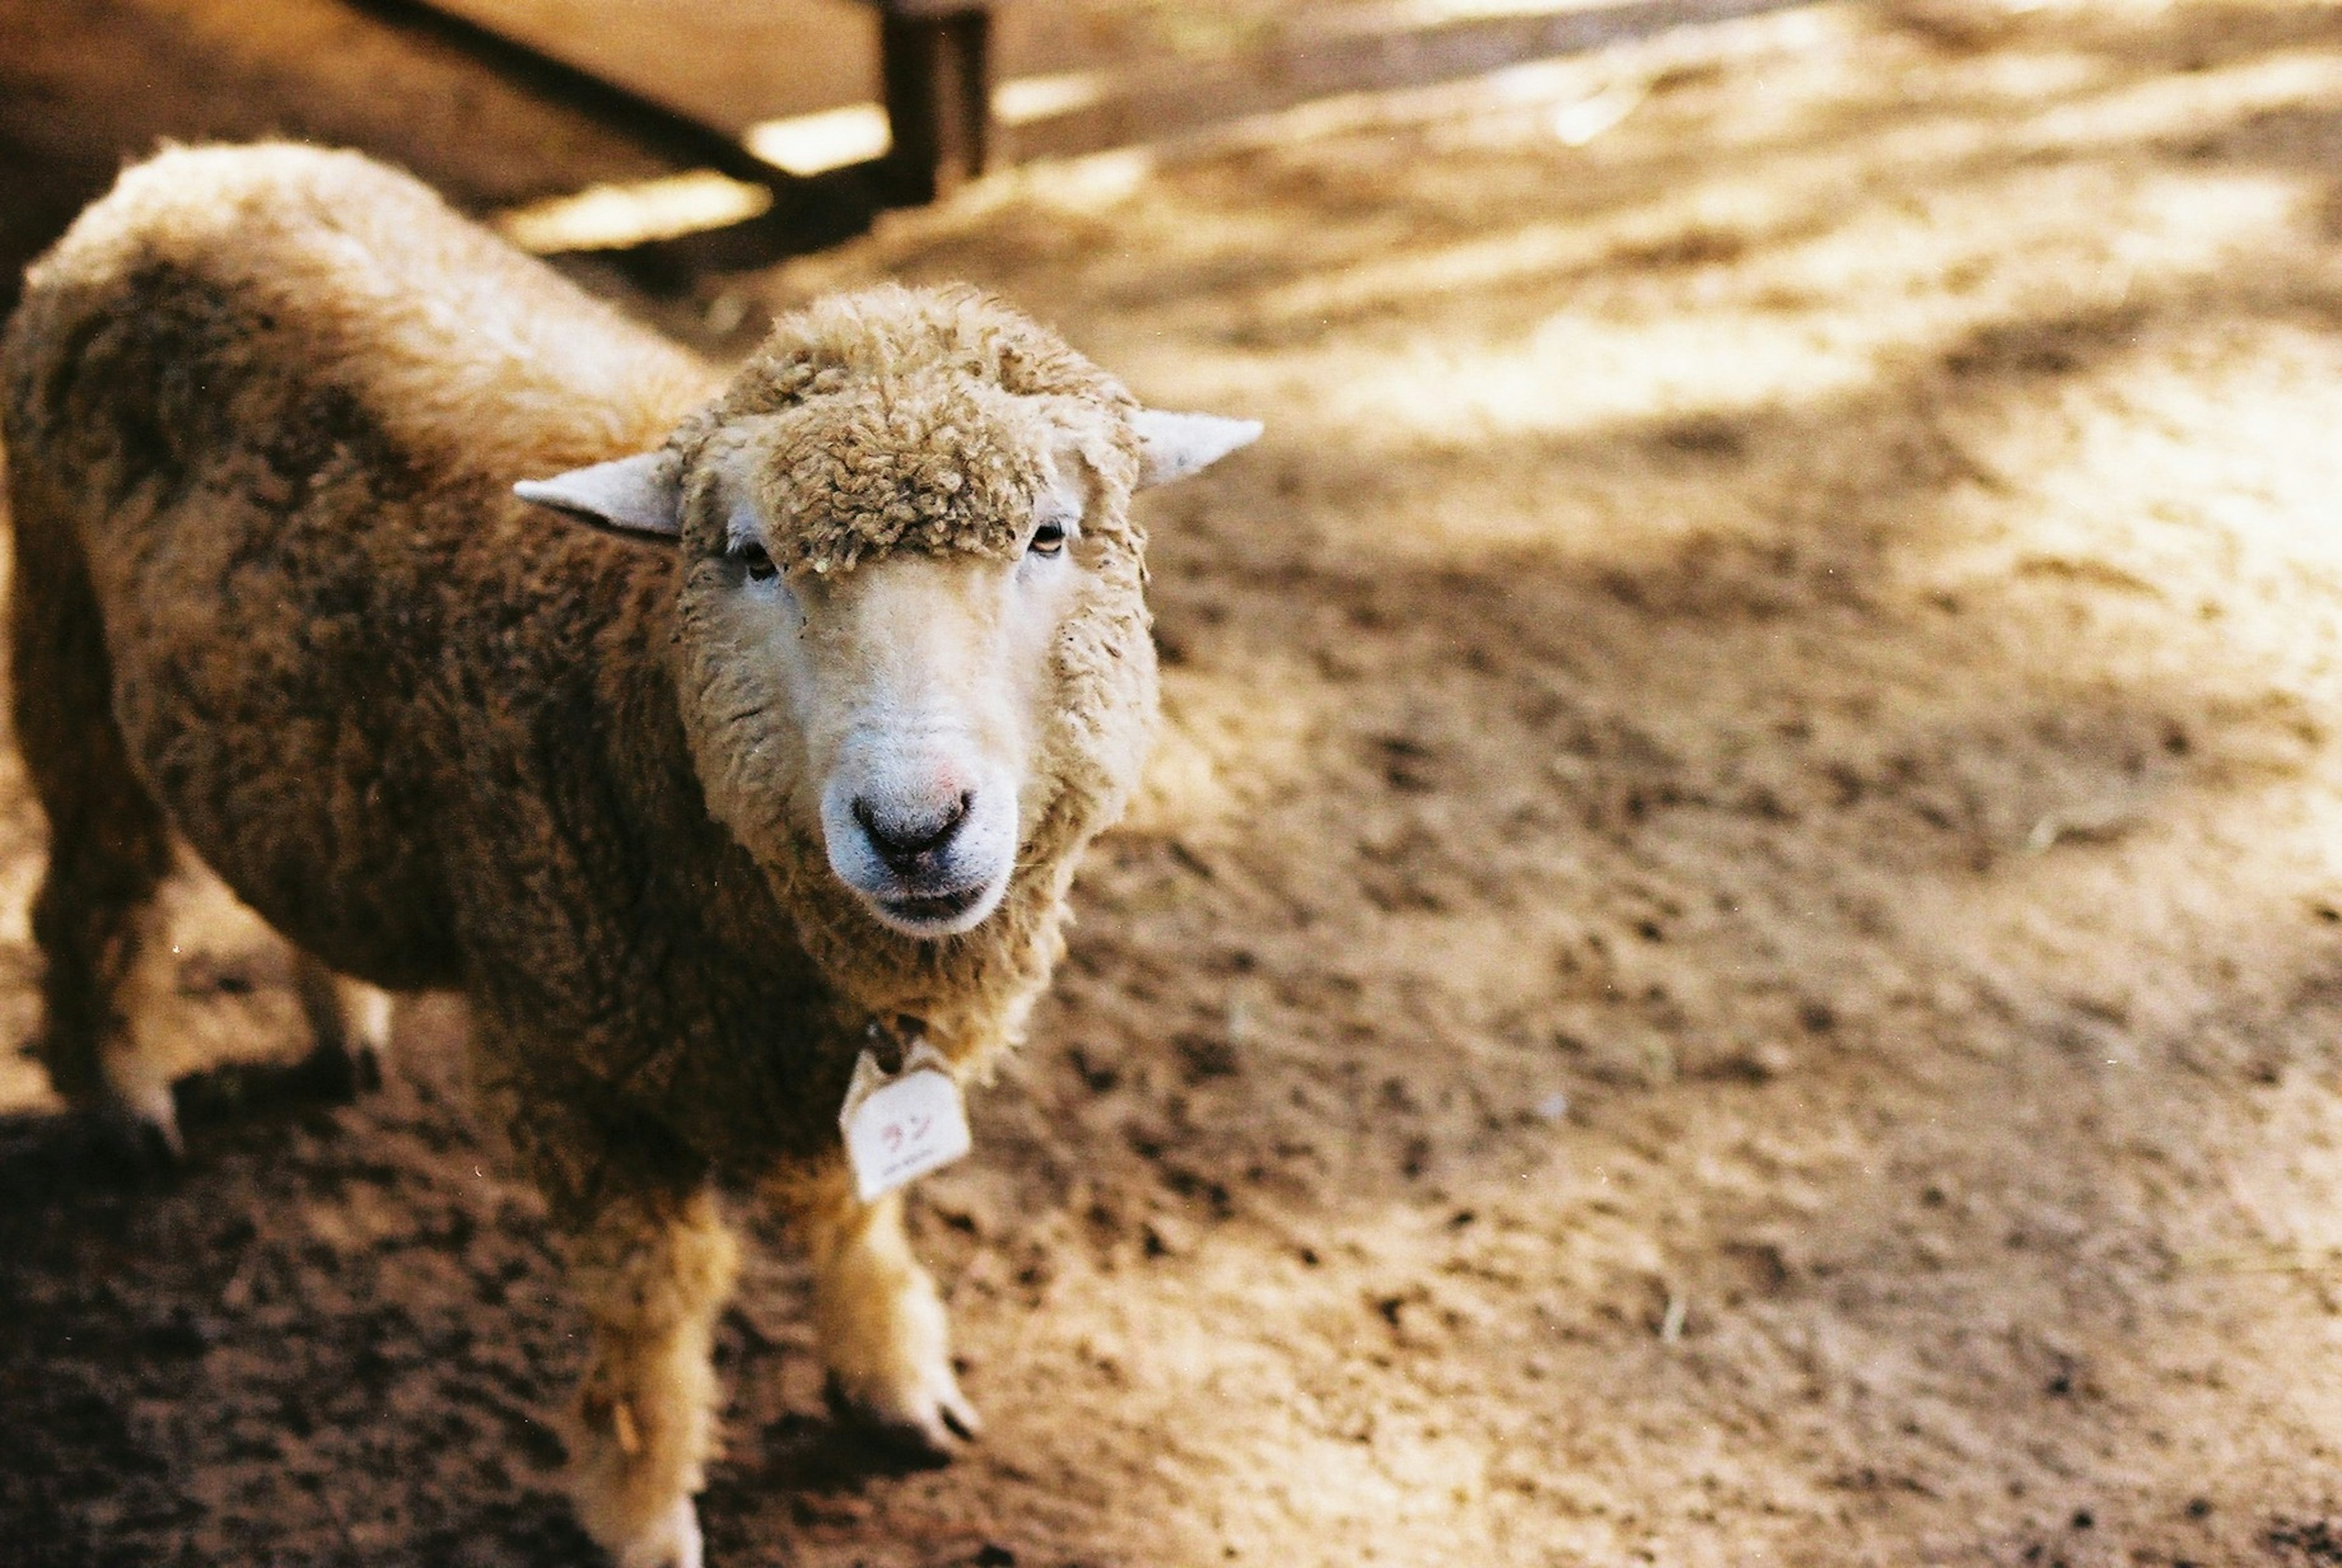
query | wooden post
(935,65)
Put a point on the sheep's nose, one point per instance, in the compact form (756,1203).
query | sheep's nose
(905,835)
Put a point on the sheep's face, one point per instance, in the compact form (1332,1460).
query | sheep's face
(906,712)
(916,691)
(926,695)
(912,642)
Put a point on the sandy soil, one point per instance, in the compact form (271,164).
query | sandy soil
(1735,955)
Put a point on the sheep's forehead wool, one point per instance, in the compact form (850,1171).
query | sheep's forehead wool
(926,419)
(923,467)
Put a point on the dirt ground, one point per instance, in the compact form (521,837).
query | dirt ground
(1735,953)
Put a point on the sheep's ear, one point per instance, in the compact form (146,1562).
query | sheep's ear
(638,495)
(1174,445)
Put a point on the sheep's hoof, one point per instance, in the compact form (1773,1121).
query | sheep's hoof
(672,1542)
(344,1073)
(144,1133)
(924,1426)
(137,1109)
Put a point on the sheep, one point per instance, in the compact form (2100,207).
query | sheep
(702,733)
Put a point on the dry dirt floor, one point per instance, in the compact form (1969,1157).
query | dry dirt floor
(1735,953)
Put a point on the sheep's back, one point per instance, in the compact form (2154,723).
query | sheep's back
(469,353)
(273,400)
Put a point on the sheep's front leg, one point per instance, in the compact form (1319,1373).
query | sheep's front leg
(653,1271)
(883,1335)
(349,1021)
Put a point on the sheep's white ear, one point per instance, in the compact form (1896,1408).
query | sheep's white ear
(1174,445)
(637,494)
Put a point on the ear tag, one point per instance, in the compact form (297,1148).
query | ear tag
(899,1128)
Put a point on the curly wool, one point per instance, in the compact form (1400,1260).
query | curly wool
(884,470)
(900,414)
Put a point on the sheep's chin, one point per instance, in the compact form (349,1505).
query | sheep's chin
(930,918)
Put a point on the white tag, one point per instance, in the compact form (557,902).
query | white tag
(898,1129)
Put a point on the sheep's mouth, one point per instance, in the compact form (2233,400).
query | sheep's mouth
(932,912)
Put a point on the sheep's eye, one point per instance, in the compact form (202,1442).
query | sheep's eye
(755,562)
(1049,539)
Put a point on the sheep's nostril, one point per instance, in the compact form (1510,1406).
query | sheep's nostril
(902,837)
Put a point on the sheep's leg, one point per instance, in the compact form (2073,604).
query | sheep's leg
(350,1023)
(109,844)
(885,1337)
(91,991)
(653,1270)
